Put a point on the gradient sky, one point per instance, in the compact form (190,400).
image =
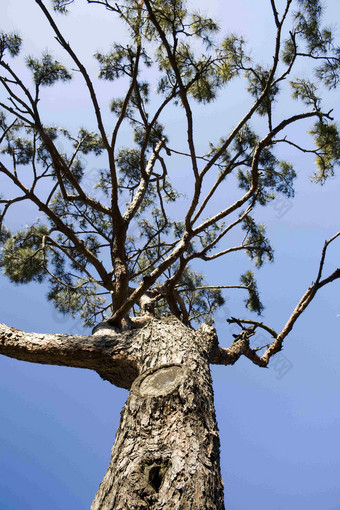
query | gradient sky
(279,426)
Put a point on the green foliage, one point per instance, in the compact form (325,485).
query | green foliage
(258,243)
(119,62)
(10,42)
(253,302)
(329,71)
(288,53)
(286,175)
(199,77)
(151,136)
(245,141)
(275,176)
(318,42)
(306,91)
(203,75)
(47,71)
(78,299)
(259,82)
(19,148)
(3,123)
(61,5)
(327,141)
(30,256)
(189,63)
(203,28)
(26,147)
(233,57)
(210,234)
(5,234)
(89,141)
(308,20)
(170,15)
(128,162)
(23,258)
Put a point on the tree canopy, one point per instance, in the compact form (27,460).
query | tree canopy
(101,257)
(131,251)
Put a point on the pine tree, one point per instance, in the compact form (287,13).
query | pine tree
(124,253)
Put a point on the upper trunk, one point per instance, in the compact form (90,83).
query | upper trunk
(166,454)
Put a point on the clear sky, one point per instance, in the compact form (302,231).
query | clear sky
(279,426)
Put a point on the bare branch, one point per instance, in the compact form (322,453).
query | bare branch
(142,188)
(61,40)
(126,99)
(253,323)
(232,165)
(33,112)
(8,204)
(183,92)
(212,287)
(228,356)
(306,299)
(323,255)
(275,13)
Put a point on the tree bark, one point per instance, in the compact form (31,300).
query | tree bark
(166,453)
(109,353)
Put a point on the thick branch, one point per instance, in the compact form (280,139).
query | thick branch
(108,353)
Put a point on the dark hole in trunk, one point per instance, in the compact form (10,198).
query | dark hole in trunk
(155,478)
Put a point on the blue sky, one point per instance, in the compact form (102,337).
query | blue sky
(279,426)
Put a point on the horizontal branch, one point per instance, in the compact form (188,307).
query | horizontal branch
(213,287)
(106,352)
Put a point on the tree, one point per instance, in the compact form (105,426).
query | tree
(128,258)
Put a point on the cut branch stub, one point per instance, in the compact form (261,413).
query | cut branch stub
(160,381)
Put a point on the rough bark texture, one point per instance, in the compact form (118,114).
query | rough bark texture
(166,454)
(111,355)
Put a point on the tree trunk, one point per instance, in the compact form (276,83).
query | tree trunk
(166,453)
